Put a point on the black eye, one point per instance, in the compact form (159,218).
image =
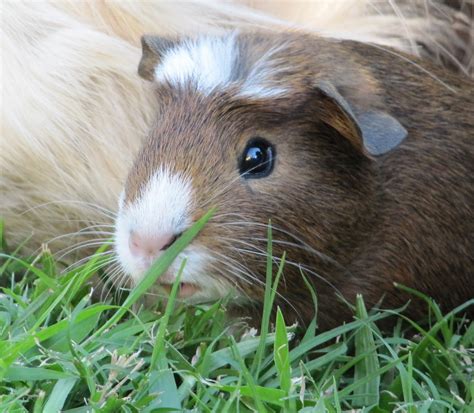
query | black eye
(257,159)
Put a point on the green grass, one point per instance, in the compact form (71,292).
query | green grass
(61,351)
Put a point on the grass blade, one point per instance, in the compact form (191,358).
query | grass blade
(58,396)
(368,394)
(281,353)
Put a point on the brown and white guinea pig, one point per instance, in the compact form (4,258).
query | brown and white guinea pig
(362,159)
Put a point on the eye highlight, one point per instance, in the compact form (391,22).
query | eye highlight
(257,159)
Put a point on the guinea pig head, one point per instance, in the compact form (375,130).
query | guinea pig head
(250,125)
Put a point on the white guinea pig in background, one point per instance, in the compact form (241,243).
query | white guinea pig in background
(74,111)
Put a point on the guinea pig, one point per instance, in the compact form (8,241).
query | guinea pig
(360,156)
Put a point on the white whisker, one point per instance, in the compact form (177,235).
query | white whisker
(82,245)
(104,211)
(297,265)
(112,275)
(85,259)
(250,277)
(417,65)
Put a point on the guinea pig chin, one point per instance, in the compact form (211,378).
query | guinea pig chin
(148,224)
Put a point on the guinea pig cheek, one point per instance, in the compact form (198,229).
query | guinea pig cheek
(198,285)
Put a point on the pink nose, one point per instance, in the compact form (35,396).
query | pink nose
(149,247)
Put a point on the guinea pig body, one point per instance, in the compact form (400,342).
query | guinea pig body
(361,158)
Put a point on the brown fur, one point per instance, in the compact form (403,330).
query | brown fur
(361,223)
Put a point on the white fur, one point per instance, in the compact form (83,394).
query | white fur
(163,207)
(262,92)
(267,67)
(206,63)
(74,111)
(197,271)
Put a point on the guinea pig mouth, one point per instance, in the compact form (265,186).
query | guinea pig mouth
(186,290)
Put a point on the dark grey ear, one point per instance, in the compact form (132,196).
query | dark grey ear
(153,48)
(381,132)
(371,131)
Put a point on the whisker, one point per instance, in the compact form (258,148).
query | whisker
(417,65)
(85,259)
(80,233)
(116,281)
(230,214)
(112,275)
(87,221)
(236,265)
(309,249)
(82,245)
(87,241)
(252,277)
(263,251)
(300,266)
(258,224)
(278,229)
(106,212)
(242,274)
(121,285)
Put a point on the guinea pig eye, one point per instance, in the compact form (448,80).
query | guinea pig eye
(257,159)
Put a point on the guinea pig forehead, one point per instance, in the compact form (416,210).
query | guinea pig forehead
(190,141)
(255,63)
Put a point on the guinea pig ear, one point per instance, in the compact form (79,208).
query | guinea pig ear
(153,48)
(372,132)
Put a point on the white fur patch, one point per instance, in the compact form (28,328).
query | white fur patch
(206,63)
(262,92)
(162,207)
(258,83)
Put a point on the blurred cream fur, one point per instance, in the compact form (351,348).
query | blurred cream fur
(74,110)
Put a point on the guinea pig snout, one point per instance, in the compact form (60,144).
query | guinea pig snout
(149,247)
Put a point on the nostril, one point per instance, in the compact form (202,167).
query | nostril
(170,242)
